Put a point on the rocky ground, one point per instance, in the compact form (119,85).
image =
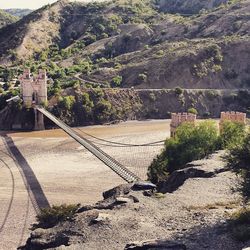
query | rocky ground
(194,216)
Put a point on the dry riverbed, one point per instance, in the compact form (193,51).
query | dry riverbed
(49,167)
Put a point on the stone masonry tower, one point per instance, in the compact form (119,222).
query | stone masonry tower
(34,92)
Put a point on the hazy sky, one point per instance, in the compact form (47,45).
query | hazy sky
(26,4)
(29,4)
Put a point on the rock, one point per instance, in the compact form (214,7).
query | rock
(248,248)
(105,204)
(43,239)
(155,244)
(148,193)
(122,200)
(143,186)
(117,191)
(135,199)
(102,217)
(84,208)
(178,177)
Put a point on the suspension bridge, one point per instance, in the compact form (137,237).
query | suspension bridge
(117,167)
(87,141)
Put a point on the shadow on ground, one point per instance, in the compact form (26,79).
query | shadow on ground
(212,237)
(32,184)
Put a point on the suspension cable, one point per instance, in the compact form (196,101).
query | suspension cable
(122,144)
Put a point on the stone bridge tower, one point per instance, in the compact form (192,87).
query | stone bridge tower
(34,92)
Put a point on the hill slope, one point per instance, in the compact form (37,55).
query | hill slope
(126,43)
(6,18)
(189,7)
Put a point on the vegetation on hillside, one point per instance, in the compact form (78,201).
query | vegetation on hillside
(194,143)
(123,44)
(6,18)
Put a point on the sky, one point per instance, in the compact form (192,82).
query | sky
(24,4)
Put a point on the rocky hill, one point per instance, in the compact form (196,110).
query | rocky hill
(6,18)
(196,215)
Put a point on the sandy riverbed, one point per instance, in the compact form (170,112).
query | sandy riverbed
(59,170)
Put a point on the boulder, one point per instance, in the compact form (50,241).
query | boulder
(44,239)
(120,190)
(140,185)
(102,217)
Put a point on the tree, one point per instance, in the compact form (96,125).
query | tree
(190,143)
(116,81)
(193,111)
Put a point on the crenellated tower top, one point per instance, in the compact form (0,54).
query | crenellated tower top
(178,118)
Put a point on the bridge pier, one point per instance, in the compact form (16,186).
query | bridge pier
(39,120)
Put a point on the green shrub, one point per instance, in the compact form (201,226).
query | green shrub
(193,111)
(190,143)
(67,102)
(238,159)
(142,77)
(116,81)
(232,134)
(50,217)
(102,110)
(178,91)
(87,103)
(240,224)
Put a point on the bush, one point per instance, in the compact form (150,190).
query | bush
(142,77)
(193,111)
(178,91)
(116,81)
(50,217)
(67,102)
(239,223)
(232,134)
(238,160)
(190,143)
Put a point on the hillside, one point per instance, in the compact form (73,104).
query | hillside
(6,18)
(189,7)
(122,44)
(136,43)
(18,12)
